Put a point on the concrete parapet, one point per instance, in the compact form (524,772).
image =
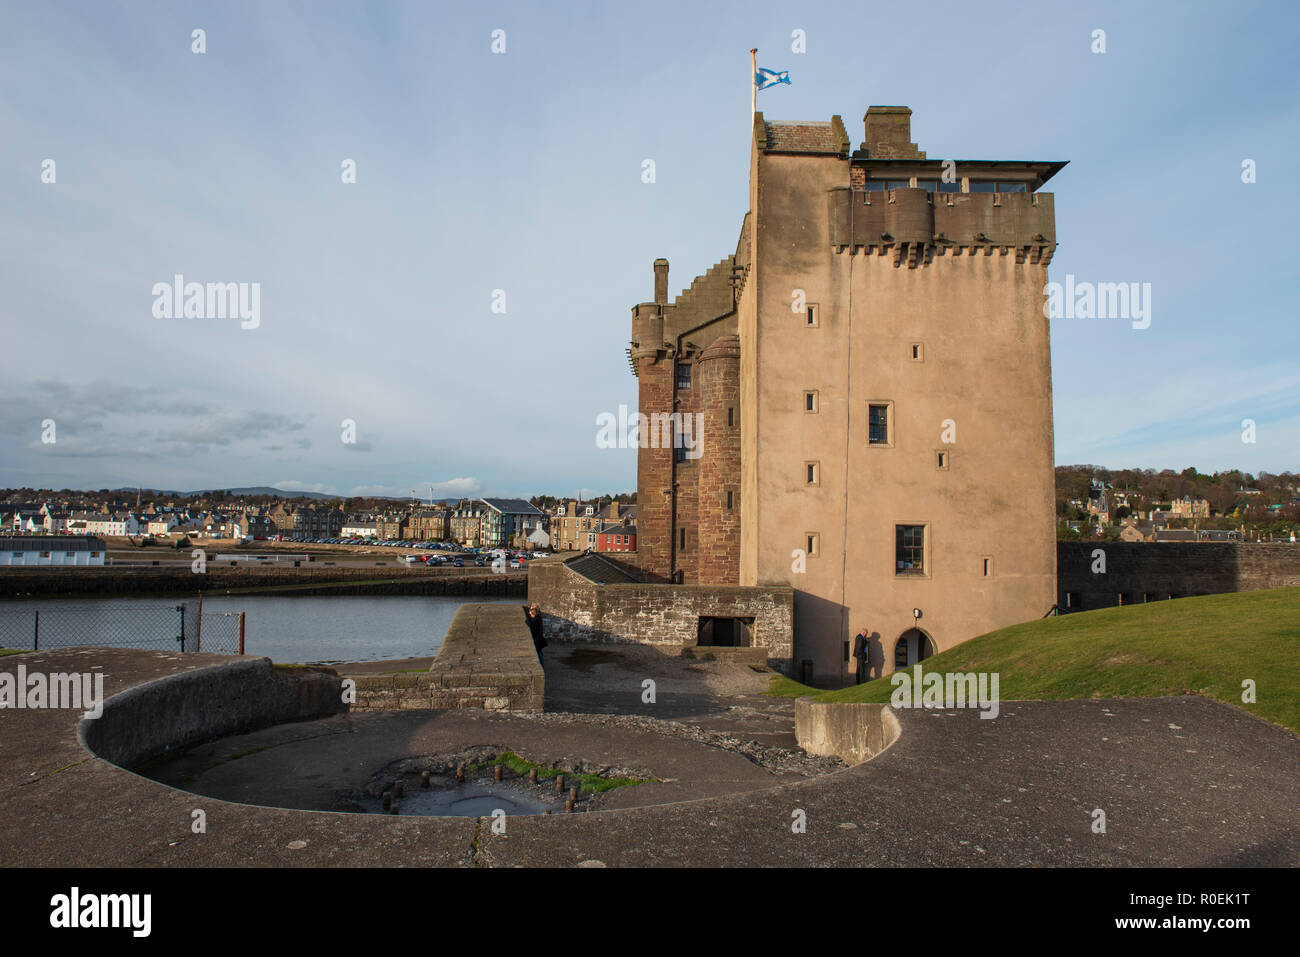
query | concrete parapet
(486,661)
(185,709)
(852,731)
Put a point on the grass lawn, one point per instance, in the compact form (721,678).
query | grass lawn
(1207,645)
(11,651)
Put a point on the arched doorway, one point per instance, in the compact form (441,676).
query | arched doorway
(912,646)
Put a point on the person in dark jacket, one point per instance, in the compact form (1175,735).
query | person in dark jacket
(862,651)
(535,626)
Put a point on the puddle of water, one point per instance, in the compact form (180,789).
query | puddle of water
(466,800)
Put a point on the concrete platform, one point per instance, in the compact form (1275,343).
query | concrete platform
(1183,781)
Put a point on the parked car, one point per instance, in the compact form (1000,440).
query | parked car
(458,563)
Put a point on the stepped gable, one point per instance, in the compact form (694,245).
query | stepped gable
(709,295)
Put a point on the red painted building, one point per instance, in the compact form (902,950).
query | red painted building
(616,537)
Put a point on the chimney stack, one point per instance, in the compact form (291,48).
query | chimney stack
(661,281)
(888,133)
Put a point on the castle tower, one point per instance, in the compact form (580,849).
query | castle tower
(879,340)
(718,508)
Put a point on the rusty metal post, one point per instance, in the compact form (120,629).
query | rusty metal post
(496,773)
(568,807)
(424,779)
(241,632)
(573,794)
(532,775)
(559,784)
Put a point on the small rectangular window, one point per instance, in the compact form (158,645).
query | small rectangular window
(682,545)
(988,567)
(731,499)
(813,541)
(898,183)
(810,401)
(954,187)
(812,473)
(810,316)
(909,549)
(683,375)
(929,185)
(878,424)
(731,418)
(983,187)
(918,352)
(875,186)
(1012,187)
(941,460)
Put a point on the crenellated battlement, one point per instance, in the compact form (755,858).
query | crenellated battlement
(915,225)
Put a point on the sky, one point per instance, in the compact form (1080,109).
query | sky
(454,320)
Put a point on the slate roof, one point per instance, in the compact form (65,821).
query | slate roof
(511,506)
(50,543)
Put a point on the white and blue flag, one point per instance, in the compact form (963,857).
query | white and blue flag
(765,77)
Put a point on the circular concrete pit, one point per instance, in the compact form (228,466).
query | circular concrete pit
(349,762)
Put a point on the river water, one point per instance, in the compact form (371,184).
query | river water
(300,629)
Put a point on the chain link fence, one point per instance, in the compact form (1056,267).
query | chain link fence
(121,624)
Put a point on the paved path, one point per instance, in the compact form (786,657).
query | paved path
(1183,781)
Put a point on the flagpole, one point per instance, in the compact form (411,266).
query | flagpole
(753,83)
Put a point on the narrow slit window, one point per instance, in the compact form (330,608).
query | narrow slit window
(810,401)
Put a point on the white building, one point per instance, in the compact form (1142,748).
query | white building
(163,524)
(359,531)
(38,550)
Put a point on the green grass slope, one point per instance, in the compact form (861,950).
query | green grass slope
(1207,645)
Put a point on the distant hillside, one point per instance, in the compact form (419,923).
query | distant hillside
(246,491)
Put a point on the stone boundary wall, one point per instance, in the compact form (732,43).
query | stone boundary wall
(179,579)
(182,710)
(851,731)
(487,661)
(577,609)
(1164,569)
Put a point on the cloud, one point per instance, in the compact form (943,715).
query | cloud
(451,488)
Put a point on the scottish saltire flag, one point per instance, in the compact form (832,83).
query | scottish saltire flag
(765,78)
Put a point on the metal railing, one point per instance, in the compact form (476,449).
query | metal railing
(122,624)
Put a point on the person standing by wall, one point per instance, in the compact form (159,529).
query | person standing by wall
(535,626)
(862,651)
